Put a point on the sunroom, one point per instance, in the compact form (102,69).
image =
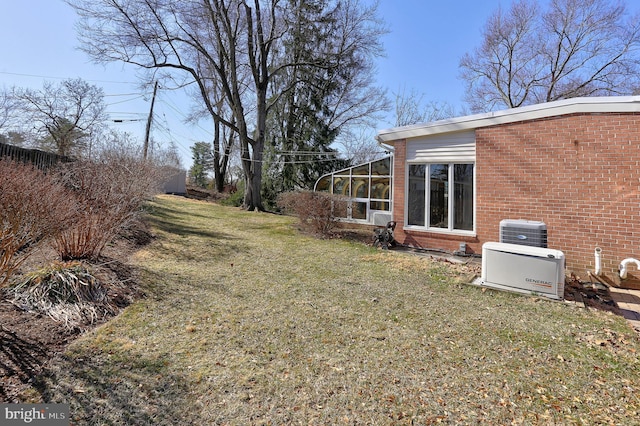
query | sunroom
(368,188)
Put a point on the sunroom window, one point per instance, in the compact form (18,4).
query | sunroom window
(449,204)
(368,187)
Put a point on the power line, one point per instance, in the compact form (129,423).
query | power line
(124,94)
(164,128)
(177,110)
(64,78)
(311,153)
(123,120)
(124,101)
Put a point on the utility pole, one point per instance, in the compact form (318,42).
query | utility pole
(148,131)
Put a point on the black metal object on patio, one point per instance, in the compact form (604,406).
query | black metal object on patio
(383,236)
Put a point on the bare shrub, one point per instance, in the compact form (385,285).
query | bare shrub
(33,207)
(109,192)
(316,210)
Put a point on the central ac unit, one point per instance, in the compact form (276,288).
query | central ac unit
(523,232)
(523,269)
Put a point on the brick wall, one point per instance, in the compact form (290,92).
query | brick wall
(580,174)
(398,182)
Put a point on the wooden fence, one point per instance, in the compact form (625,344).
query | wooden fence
(41,159)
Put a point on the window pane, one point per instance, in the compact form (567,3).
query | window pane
(381,167)
(463,197)
(439,200)
(380,188)
(341,185)
(361,170)
(358,210)
(342,213)
(360,187)
(324,184)
(416,196)
(379,205)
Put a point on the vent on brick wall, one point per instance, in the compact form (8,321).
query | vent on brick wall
(523,232)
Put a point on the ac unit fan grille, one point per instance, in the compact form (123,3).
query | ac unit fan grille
(525,233)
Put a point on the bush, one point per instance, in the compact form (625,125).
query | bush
(33,207)
(65,291)
(316,210)
(110,193)
(235,199)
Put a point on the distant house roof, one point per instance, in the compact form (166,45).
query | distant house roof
(531,112)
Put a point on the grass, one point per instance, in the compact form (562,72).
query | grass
(248,322)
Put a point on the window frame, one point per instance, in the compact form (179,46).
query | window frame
(450,230)
(354,177)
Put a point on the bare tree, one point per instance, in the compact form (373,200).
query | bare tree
(224,137)
(228,41)
(65,115)
(8,107)
(13,138)
(232,42)
(574,48)
(594,49)
(360,145)
(411,108)
(9,113)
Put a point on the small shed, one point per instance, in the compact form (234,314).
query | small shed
(176,183)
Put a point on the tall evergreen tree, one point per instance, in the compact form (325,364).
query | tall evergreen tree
(308,114)
(202,161)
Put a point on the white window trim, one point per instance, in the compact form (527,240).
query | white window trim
(426,228)
(351,199)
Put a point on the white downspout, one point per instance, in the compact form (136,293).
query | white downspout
(623,266)
(598,269)
(386,147)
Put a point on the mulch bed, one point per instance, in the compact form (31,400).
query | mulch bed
(29,340)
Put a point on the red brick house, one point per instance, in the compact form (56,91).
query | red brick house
(572,164)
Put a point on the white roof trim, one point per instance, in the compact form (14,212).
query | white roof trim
(532,112)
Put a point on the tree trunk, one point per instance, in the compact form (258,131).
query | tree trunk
(256,181)
(218,174)
(252,167)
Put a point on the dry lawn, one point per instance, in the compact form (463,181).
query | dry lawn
(247,322)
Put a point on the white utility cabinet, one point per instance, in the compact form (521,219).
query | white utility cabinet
(523,269)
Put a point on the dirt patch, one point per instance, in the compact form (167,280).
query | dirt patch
(199,193)
(592,295)
(29,340)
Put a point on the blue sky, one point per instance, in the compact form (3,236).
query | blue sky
(423,49)
(426,42)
